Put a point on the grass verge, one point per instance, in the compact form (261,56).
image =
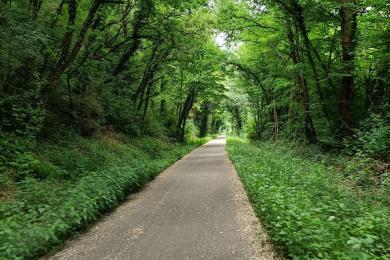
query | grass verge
(305,207)
(60,188)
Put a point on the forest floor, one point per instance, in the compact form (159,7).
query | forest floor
(196,209)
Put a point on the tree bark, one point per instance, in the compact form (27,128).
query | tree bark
(348,23)
(184,112)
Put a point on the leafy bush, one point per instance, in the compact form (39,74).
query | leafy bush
(21,44)
(305,207)
(120,113)
(372,139)
(152,147)
(198,141)
(48,205)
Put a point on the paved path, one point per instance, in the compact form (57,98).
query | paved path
(196,209)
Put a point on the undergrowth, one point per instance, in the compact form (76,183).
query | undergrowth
(59,188)
(306,207)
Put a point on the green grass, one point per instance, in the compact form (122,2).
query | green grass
(60,188)
(306,208)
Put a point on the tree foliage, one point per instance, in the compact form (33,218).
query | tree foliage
(134,66)
(313,70)
(316,72)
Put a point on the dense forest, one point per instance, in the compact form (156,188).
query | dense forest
(300,70)
(91,90)
(318,71)
(136,67)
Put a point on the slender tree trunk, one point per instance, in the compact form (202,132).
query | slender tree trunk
(68,54)
(291,112)
(258,123)
(71,106)
(310,132)
(348,23)
(35,6)
(163,102)
(147,75)
(147,98)
(236,113)
(145,7)
(58,13)
(276,121)
(205,111)
(184,112)
(163,107)
(301,25)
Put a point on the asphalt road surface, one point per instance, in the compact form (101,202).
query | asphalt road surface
(196,209)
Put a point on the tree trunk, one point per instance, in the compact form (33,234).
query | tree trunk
(300,23)
(58,13)
(348,23)
(147,98)
(310,132)
(236,113)
(148,74)
(163,102)
(67,55)
(35,7)
(145,7)
(204,119)
(184,112)
(276,121)
(258,123)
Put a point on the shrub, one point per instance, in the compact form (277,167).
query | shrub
(372,139)
(305,207)
(120,113)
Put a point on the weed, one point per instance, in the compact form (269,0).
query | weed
(61,188)
(305,207)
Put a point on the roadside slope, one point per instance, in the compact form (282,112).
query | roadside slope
(306,207)
(62,187)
